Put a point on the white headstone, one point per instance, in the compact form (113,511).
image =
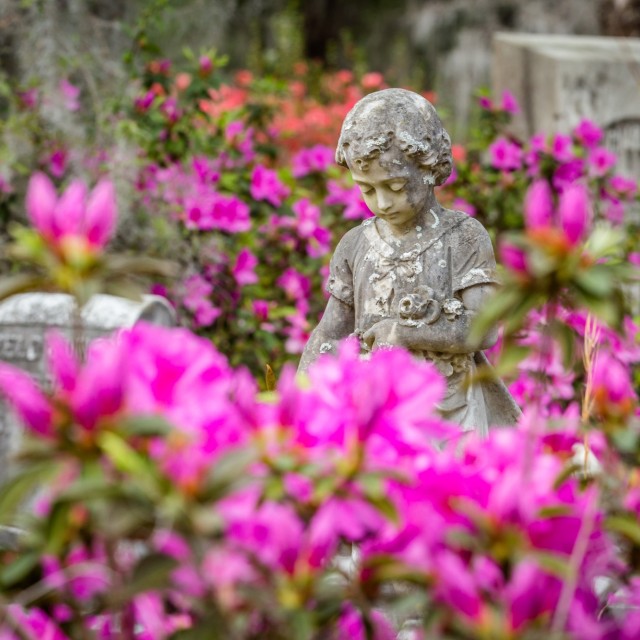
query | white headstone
(25,319)
(558,80)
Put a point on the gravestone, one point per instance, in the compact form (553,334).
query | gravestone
(25,320)
(559,80)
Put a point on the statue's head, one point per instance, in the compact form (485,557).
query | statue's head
(401,119)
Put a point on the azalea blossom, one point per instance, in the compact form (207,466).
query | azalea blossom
(265,185)
(314,159)
(505,155)
(244,268)
(74,217)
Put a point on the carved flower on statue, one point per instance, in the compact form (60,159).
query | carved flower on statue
(452,308)
(417,306)
(449,363)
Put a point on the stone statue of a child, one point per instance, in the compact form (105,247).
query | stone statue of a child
(415,274)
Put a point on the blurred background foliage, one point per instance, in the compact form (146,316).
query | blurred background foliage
(437,45)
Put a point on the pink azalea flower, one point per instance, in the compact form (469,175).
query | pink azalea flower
(27,400)
(460,204)
(62,361)
(91,575)
(265,185)
(58,163)
(613,391)
(372,81)
(72,215)
(350,197)
(308,226)
(453,176)
(205,65)
(260,309)
(5,185)
(509,103)
(99,390)
(562,148)
(227,213)
(566,174)
(624,186)
(31,623)
(538,205)
(234,129)
(485,103)
(197,300)
(505,155)
(614,210)
(574,212)
(314,159)
(601,160)
(272,532)
(29,98)
(169,108)
(351,626)
(513,257)
(143,103)
(70,93)
(296,285)
(588,133)
(538,143)
(244,268)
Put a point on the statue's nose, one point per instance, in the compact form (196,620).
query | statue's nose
(384,202)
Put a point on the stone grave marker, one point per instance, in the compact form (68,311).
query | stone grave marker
(558,80)
(25,319)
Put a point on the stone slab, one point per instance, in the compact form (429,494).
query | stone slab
(26,318)
(558,80)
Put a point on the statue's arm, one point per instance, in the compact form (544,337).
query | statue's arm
(444,335)
(338,321)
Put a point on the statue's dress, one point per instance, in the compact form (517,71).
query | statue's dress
(453,253)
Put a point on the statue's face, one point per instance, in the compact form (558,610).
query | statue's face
(393,187)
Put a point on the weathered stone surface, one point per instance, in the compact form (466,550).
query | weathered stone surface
(558,80)
(416,274)
(25,319)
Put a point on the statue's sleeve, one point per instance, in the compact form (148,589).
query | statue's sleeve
(473,259)
(340,283)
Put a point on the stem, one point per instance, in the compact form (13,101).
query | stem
(577,556)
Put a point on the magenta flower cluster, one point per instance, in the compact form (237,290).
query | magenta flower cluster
(353,455)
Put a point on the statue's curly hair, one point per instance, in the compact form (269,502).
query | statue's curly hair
(401,117)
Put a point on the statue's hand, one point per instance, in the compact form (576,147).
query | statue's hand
(383,334)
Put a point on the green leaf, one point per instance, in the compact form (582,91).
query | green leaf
(15,491)
(208,629)
(86,489)
(511,356)
(628,527)
(385,507)
(141,265)
(270,378)
(373,485)
(57,528)
(302,625)
(497,308)
(12,285)
(553,563)
(152,572)
(19,569)
(227,472)
(127,460)
(145,425)
(124,457)
(596,282)
(554,511)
